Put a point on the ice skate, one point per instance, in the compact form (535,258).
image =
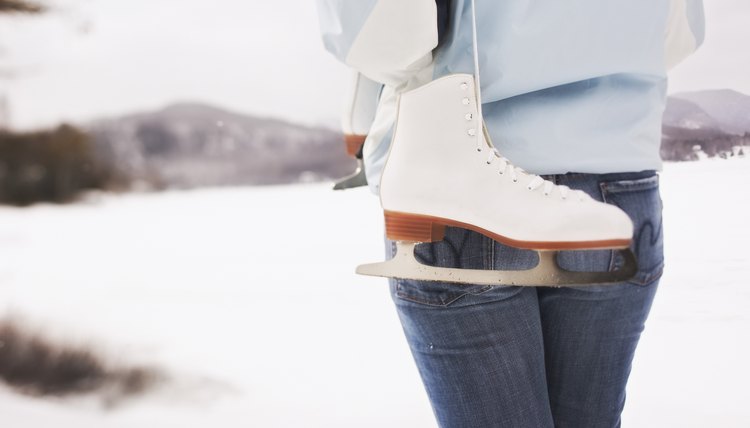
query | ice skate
(362,99)
(442,170)
(353,149)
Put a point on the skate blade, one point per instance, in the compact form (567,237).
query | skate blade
(547,273)
(358,179)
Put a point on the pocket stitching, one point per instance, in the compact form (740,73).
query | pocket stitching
(443,303)
(622,186)
(608,188)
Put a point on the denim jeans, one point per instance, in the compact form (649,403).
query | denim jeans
(501,356)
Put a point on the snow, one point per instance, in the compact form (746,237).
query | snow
(248,298)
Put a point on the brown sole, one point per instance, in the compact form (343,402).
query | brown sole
(422,228)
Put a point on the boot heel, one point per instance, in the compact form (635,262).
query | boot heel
(354,143)
(414,228)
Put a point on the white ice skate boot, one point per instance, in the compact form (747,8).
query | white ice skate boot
(442,170)
(359,112)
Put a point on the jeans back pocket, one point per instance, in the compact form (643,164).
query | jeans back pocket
(640,199)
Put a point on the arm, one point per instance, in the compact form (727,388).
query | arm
(685,30)
(386,40)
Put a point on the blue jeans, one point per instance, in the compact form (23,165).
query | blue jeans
(500,356)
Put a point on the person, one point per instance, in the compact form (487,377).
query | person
(570,90)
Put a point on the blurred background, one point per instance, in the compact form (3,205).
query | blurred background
(171,252)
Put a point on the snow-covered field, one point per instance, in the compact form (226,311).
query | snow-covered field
(247,297)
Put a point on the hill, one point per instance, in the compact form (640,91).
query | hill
(715,122)
(189,145)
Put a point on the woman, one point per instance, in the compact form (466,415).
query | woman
(571,90)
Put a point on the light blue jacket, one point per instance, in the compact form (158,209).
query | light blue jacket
(567,86)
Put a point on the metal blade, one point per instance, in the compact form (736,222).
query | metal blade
(357,179)
(547,273)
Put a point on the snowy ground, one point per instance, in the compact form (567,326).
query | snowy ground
(248,298)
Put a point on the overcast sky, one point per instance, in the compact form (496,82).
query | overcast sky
(93,58)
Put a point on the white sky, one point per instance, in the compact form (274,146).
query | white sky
(253,56)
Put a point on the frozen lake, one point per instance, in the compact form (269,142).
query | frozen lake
(248,297)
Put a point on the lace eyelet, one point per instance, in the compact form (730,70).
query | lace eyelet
(466,101)
(515,180)
(464,86)
(546,194)
(479,150)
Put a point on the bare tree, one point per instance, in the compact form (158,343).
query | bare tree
(20,6)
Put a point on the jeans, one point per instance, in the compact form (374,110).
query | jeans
(501,356)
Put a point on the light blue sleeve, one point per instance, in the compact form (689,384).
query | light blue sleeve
(340,23)
(696,19)
(389,41)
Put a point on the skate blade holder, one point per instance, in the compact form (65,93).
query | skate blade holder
(357,179)
(547,273)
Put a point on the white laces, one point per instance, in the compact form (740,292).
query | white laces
(535,182)
(506,167)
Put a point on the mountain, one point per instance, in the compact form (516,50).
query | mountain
(191,144)
(716,122)
(730,109)
(681,113)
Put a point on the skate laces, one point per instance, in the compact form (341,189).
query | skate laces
(506,167)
